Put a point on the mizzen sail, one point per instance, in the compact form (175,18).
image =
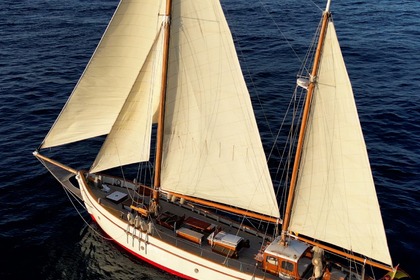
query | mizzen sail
(212,149)
(335,199)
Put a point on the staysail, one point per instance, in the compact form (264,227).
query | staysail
(130,138)
(335,199)
(104,87)
(212,149)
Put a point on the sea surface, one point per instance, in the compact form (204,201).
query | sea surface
(45,45)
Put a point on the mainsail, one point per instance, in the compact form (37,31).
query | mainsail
(335,199)
(212,149)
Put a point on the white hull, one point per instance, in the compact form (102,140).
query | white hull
(156,252)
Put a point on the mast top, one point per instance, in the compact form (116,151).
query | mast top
(327,8)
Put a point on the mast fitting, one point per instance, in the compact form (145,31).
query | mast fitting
(166,20)
(312,78)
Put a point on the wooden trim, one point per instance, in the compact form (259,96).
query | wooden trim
(228,208)
(190,235)
(346,255)
(223,245)
(142,211)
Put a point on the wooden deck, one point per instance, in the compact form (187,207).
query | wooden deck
(188,227)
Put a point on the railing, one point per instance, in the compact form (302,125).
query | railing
(200,250)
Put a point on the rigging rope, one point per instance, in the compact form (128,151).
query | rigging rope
(80,214)
(295,105)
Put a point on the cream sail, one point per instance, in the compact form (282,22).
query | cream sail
(335,198)
(212,148)
(110,75)
(130,138)
(212,145)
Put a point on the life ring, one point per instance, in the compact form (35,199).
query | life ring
(118,182)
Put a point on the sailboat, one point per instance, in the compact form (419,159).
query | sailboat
(165,83)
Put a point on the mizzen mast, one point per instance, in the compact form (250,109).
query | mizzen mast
(160,127)
(306,110)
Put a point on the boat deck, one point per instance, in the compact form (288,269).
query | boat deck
(196,230)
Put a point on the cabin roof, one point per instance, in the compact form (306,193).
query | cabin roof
(292,252)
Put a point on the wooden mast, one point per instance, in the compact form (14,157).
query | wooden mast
(306,110)
(160,127)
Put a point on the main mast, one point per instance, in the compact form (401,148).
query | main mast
(159,141)
(306,110)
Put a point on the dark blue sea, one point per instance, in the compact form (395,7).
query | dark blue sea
(45,45)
